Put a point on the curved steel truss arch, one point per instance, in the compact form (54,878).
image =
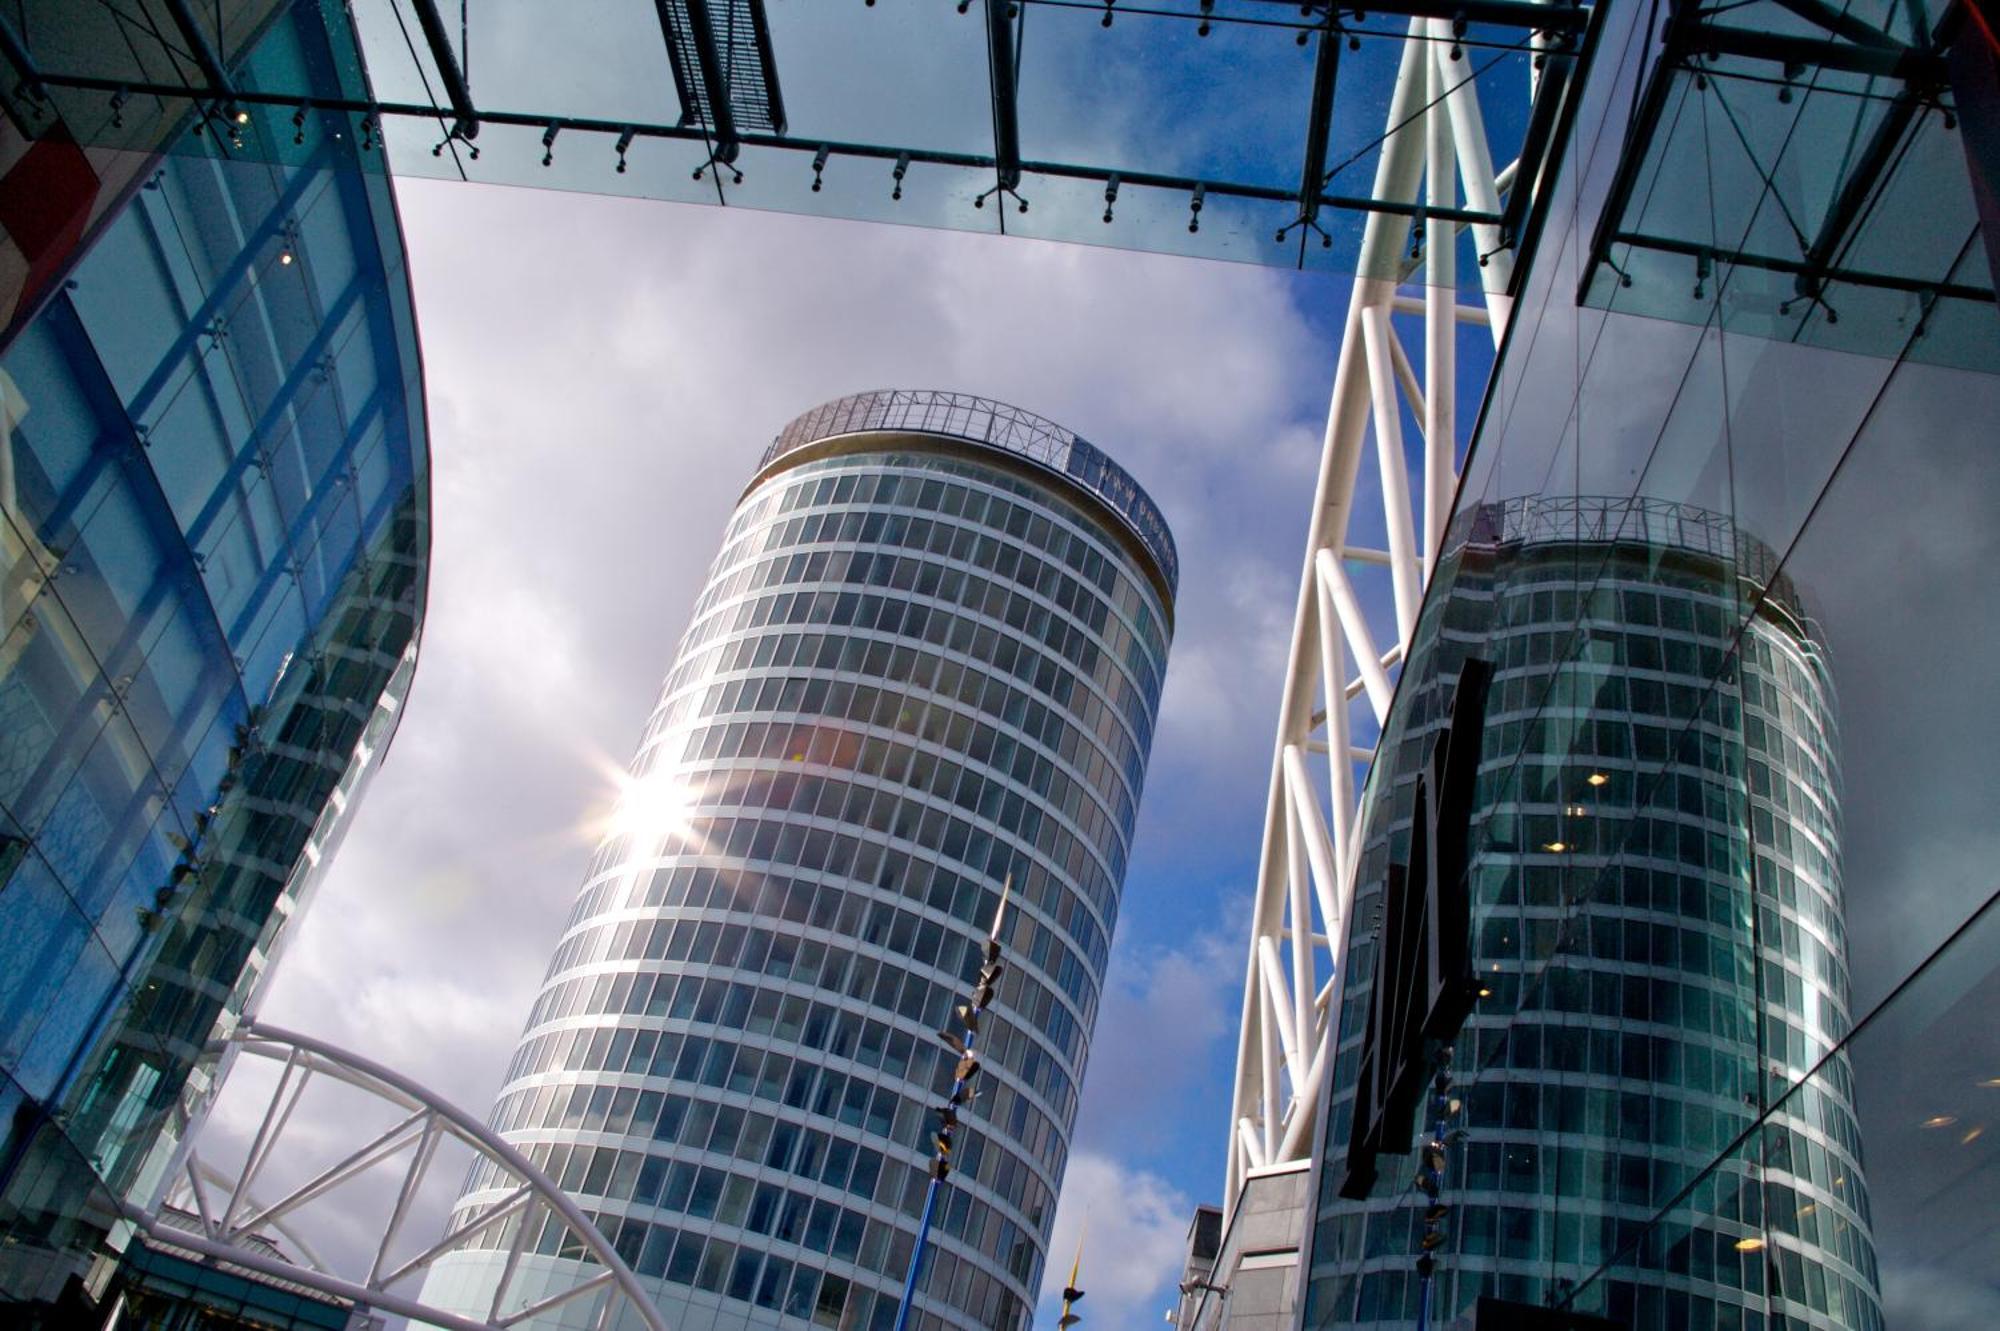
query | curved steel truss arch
(1341,672)
(230,1211)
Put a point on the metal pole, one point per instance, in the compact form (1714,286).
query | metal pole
(1438,1138)
(924,1224)
(968,1068)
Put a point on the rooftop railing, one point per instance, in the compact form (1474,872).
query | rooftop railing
(1659,524)
(981,420)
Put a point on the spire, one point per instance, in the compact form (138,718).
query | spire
(1000,911)
(1070,1292)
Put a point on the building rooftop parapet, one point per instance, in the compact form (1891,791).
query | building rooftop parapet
(1660,524)
(982,420)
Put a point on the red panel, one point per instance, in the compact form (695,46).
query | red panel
(45,204)
(1975,85)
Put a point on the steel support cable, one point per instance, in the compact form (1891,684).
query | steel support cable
(449,136)
(146,23)
(1750,154)
(1392,131)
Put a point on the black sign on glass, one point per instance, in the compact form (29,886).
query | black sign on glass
(1424,985)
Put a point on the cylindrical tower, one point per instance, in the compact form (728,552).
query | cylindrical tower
(926,661)
(1654,1128)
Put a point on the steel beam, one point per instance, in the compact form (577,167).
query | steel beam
(380,110)
(1001,77)
(1549,94)
(1916,286)
(205,54)
(1865,179)
(1319,122)
(767,59)
(714,79)
(1560,17)
(1434,145)
(1258,1106)
(18,55)
(453,78)
(720,123)
(1839,22)
(1895,61)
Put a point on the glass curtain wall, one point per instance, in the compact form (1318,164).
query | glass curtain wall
(922,666)
(213,544)
(1729,550)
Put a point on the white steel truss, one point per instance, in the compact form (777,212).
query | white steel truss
(1341,672)
(230,1214)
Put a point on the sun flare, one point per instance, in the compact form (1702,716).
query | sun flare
(645,810)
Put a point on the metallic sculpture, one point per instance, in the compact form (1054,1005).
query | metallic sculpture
(534,1209)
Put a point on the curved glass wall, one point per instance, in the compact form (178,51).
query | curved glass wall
(213,542)
(1660,945)
(921,666)
(1794,838)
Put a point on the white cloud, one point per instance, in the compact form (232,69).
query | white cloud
(1930,1298)
(1134,1225)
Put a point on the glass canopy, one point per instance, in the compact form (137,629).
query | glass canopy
(1232,129)
(1804,160)
(1799,155)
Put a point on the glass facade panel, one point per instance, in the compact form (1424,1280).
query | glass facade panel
(195,657)
(1727,842)
(924,664)
(1657,957)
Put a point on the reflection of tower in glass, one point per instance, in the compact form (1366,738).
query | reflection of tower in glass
(927,660)
(1657,925)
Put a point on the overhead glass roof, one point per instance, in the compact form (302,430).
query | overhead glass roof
(1200,127)
(1800,155)
(1804,159)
